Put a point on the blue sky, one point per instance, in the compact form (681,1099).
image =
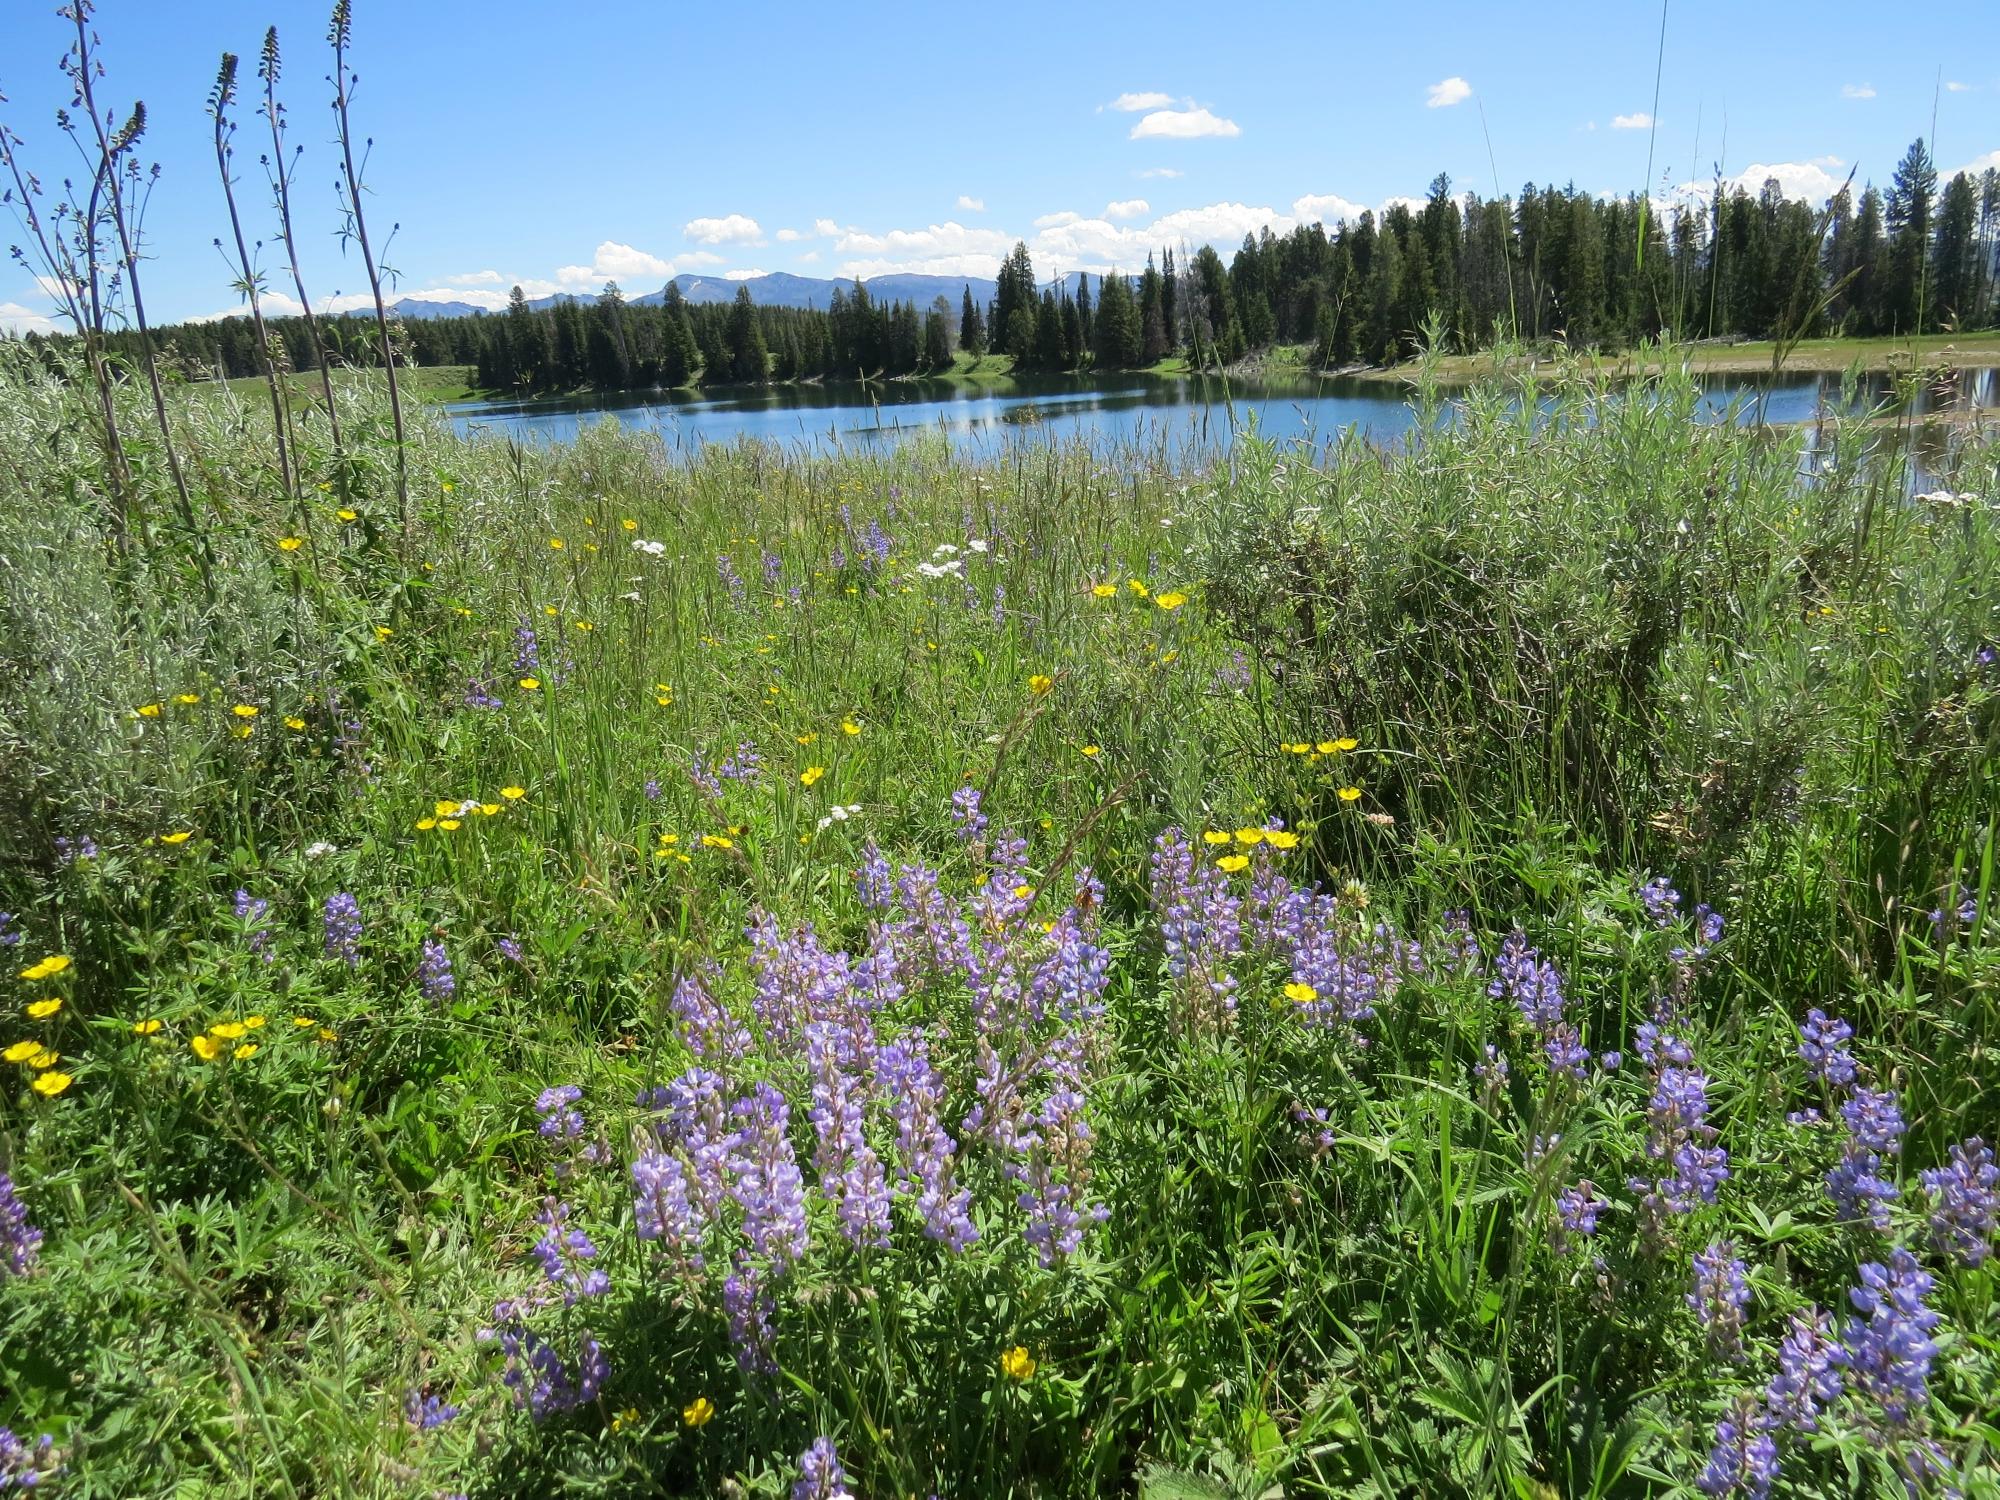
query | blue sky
(559,147)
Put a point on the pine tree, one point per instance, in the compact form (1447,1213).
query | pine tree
(1955,266)
(1908,212)
(971,329)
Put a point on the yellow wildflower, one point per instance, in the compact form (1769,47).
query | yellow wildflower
(289,544)
(148,710)
(345,514)
(1350,794)
(1215,837)
(189,698)
(51,1084)
(584,625)
(207,1048)
(253,1022)
(449,825)
(1170,601)
(1328,747)
(805,739)
(248,1049)
(41,1010)
(44,1059)
(1017,1363)
(1040,683)
(1345,742)
(811,775)
(629,524)
(1304,994)
(177,838)
(1249,836)
(513,793)
(1104,590)
(1232,862)
(1277,838)
(698,1412)
(20,1052)
(245,710)
(1023,892)
(302,1022)
(425,825)
(488,809)
(555,544)
(1136,587)
(229,1031)
(443,808)
(1091,750)
(715,841)
(383,632)
(849,727)
(295,722)
(530,684)
(146,1027)
(48,968)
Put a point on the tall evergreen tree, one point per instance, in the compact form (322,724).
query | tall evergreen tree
(971,328)
(1908,214)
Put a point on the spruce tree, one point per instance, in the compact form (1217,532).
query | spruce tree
(971,330)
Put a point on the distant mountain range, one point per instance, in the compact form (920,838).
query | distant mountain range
(778,289)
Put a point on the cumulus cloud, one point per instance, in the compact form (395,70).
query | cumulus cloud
(18,319)
(1127,208)
(613,262)
(971,204)
(1453,90)
(1857,91)
(1325,208)
(1131,104)
(1056,221)
(1152,172)
(475,278)
(1979,164)
(1809,180)
(1953,86)
(1639,120)
(786,236)
(730,229)
(825,228)
(1183,125)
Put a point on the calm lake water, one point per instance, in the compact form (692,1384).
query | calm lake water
(1142,410)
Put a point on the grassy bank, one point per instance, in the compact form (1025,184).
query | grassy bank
(1064,976)
(1874,356)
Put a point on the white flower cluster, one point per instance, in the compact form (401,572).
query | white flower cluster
(651,549)
(839,815)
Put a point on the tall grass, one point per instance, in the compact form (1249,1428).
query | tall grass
(1578,642)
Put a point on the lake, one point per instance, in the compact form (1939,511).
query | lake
(1139,410)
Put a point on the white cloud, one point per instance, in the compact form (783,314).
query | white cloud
(947,249)
(1809,180)
(1183,125)
(1325,208)
(1131,104)
(809,257)
(971,204)
(1453,90)
(613,262)
(1979,164)
(1857,91)
(1127,208)
(1057,221)
(825,228)
(1955,87)
(1151,172)
(1414,205)
(731,229)
(18,319)
(744,274)
(475,278)
(1637,121)
(786,236)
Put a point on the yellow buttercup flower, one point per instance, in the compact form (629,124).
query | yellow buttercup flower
(1345,742)
(811,774)
(1278,838)
(246,710)
(248,1049)
(177,838)
(187,698)
(555,544)
(295,722)
(20,1052)
(513,793)
(1170,601)
(44,1059)
(715,841)
(345,514)
(425,825)
(207,1048)
(584,625)
(629,524)
(488,809)
(1104,590)
(1328,747)
(1136,587)
(229,1031)
(1304,994)
(698,1412)
(303,1023)
(849,727)
(51,1084)
(1023,892)
(41,1010)
(383,632)
(1232,862)
(443,808)
(1350,794)
(253,1022)
(449,825)
(146,1027)
(1249,836)
(1215,837)
(1017,1363)
(1091,750)
(289,544)
(530,684)
(805,739)
(148,710)
(1040,683)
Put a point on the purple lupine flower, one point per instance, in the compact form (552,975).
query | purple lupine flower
(725,570)
(745,764)
(1578,1207)
(1857,1183)
(426,1413)
(875,543)
(665,1209)
(1678,1132)
(1661,901)
(1491,1071)
(535,1372)
(509,948)
(251,912)
(651,790)
(479,694)
(20,1241)
(1534,985)
(1744,1459)
(999,606)
(820,1474)
(873,883)
(1808,1378)
(1887,1351)
(341,919)
(748,1303)
(1315,1133)
(434,973)
(558,1121)
(1721,1292)
(527,649)
(565,1254)
(768,1183)
(1070,982)
(10,935)
(1056,1177)
(798,980)
(1965,1202)
(924,1150)
(774,567)
(965,813)
(1823,1049)
(711,1032)
(1200,926)
(1949,919)
(850,1173)
(24,1465)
